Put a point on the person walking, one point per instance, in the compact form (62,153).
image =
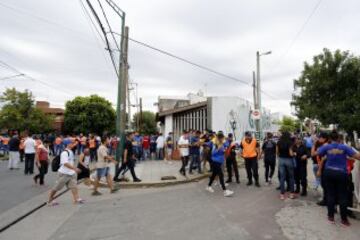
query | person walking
(14,155)
(103,167)
(169,146)
(42,162)
(195,152)
(184,145)
(58,145)
(269,153)
(146,147)
(128,160)
(66,175)
(84,166)
(160,143)
(286,164)
(336,175)
(218,158)
(251,152)
(231,162)
(92,147)
(30,146)
(301,157)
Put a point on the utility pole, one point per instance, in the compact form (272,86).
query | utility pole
(128,102)
(256,105)
(140,117)
(125,74)
(258,93)
(120,108)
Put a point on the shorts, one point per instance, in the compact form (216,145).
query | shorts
(64,179)
(102,172)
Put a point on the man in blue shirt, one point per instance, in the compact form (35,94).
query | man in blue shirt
(335,175)
(195,152)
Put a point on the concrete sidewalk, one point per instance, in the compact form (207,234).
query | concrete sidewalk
(151,173)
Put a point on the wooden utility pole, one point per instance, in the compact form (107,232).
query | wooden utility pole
(124,83)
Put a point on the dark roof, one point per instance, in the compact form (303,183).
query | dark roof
(182,109)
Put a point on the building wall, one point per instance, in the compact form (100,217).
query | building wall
(227,109)
(168,124)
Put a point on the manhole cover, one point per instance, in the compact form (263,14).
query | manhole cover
(168,178)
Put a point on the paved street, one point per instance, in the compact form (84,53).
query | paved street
(18,187)
(180,212)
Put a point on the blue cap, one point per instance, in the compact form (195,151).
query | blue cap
(67,141)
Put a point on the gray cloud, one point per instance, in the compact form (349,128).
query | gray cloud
(223,35)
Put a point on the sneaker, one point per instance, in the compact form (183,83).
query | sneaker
(282,197)
(292,196)
(257,184)
(331,220)
(249,184)
(345,223)
(114,190)
(228,181)
(52,204)
(228,193)
(96,193)
(226,184)
(80,201)
(137,180)
(209,189)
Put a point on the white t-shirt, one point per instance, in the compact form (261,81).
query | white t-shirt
(67,156)
(184,151)
(29,145)
(160,142)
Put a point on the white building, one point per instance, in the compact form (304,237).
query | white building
(228,114)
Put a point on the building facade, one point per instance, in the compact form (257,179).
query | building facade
(57,113)
(228,114)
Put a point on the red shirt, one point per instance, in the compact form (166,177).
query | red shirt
(146,142)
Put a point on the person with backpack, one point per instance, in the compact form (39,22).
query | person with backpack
(42,162)
(67,174)
(218,158)
(231,162)
(269,152)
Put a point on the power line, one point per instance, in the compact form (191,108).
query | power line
(302,28)
(10,77)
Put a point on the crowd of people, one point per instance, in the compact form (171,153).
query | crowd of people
(332,161)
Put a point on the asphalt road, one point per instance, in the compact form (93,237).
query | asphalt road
(16,188)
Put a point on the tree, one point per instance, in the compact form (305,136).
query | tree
(19,113)
(148,122)
(329,90)
(289,124)
(92,114)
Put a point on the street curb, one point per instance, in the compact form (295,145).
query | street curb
(165,183)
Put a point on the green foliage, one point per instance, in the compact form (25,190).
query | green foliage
(148,122)
(329,90)
(19,113)
(92,114)
(289,124)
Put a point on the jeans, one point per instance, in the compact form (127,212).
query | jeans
(93,155)
(251,165)
(317,179)
(269,168)
(336,183)
(184,161)
(286,166)
(217,171)
(29,163)
(195,161)
(80,148)
(160,153)
(231,164)
(43,169)
(301,175)
(146,153)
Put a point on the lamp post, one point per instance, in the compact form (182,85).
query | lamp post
(258,89)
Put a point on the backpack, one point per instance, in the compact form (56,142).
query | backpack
(55,164)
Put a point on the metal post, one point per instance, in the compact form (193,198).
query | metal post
(120,132)
(141,116)
(258,91)
(256,105)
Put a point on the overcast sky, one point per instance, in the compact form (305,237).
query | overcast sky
(54,42)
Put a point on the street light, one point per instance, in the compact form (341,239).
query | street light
(258,85)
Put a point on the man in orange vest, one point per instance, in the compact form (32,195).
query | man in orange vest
(251,152)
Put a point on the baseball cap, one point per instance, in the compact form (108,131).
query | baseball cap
(67,141)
